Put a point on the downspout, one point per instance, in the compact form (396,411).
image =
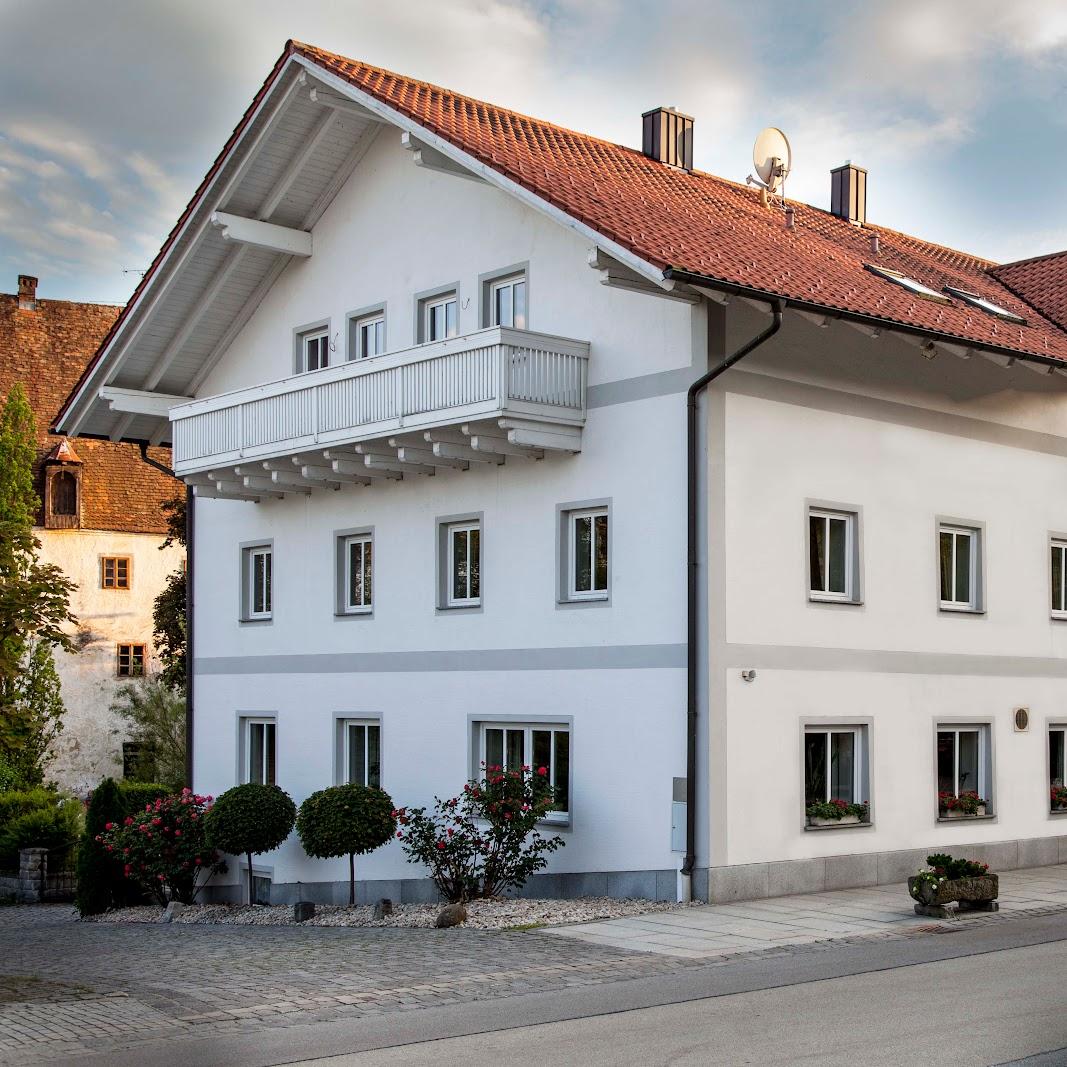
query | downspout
(692,530)
(189,530)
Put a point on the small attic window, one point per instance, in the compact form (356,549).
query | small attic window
(910,284)
(986,305)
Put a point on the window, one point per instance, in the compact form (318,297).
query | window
(507,302)
(1059,578)
(366,336)
(256,581)
(438,317)
(313,350)
(463,563)
(260,760)
(587,554)
(358,564)
(958,550)
(962,761)
(986,305)
(832,555)
(917,288)
(517,745)
(361,758)
(1057,767)
(130,661)
(138,762)
(64,493)
(114,572)
(835,764)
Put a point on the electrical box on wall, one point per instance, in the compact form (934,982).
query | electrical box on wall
(678,814)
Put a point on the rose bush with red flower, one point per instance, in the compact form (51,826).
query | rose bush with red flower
(163,848)
(485,840)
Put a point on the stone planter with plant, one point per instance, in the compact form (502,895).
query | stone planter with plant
(837,813)
(946,880)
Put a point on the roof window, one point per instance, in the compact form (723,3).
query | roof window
(910,284)
(986,305)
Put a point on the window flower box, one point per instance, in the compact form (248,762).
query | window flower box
(1058,798)
(966,883)
(837,813)
(967,805)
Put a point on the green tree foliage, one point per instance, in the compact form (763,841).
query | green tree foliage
(168,614)
(156,714)
(53,827)
(34,600)
(346,820)
(249,819)
(101,884)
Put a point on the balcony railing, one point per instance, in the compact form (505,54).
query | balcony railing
(498,372)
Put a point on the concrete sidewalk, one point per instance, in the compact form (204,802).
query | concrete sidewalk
(710,930)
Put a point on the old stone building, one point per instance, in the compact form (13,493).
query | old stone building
(100,521)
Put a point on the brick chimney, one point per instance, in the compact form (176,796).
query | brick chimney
(27,293)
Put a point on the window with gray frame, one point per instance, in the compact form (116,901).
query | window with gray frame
(313,350)
(366,335)
(833,555)
(356,573)
(586,556)
(1059,577)
(438,316)
(462,564)
(507,301)
(260,750)
(835,759)
(514,746)
(1057,764)
(959,562)
(257,565)
(361,752)
(963,760)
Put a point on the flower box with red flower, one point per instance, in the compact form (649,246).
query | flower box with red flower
(837,812)
(1058,798)
(966,805)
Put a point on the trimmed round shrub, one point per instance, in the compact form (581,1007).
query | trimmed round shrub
(55,828)
(250,819)
(346,820)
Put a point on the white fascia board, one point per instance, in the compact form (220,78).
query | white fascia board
(78,409)
(139,402)
(489,174)
(267,235)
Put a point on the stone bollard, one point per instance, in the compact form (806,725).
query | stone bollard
(303,910)
(33,869)
(383,908)
(173,909)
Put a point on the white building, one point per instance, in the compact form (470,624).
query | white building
(426,363)
(101,523)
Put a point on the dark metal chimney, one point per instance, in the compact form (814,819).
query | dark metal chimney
(848,193)
(27,292)
(667,136)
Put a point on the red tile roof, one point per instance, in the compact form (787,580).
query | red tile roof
(701,224)
(1041,281)
(46,350)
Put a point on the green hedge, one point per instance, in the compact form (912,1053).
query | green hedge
(55,827)
(135,795)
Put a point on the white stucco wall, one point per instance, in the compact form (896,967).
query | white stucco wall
(90,746)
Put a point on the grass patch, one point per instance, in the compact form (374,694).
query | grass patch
(524,926)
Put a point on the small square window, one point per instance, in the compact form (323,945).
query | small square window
(533,745)
(586,559)
(959,557)
(260,751)
(313,350)
(507,302)
(356,574)
(114,572)
(131,661)
(1059,578)
(257,566)
(833,555)
(439,317)
(366,336)
(361,752)
(963,770)
(835,767)
(461,565)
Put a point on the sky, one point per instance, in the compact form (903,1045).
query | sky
(111,111)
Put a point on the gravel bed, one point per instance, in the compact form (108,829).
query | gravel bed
(499,914)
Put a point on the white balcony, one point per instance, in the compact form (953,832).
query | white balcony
(478,398)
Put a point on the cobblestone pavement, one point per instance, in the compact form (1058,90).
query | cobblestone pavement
(71,989)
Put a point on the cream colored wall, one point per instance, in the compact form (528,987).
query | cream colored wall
(90,746)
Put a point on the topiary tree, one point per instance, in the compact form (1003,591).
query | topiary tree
(101,883)
(346,820)
(250,819)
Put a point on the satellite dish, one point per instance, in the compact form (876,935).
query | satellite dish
(772,157)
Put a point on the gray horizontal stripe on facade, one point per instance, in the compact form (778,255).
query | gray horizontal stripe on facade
(644,387)
(583,658)
(820,398)
(880,661)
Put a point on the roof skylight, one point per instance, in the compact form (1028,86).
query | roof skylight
(986,305)
(910,284)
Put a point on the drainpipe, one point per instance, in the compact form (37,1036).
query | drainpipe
(693,501)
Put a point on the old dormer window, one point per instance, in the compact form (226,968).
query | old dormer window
(61,498)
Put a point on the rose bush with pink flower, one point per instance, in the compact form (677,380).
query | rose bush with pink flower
(164,848)
(485,840)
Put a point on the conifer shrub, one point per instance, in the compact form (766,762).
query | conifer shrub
(101,883)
